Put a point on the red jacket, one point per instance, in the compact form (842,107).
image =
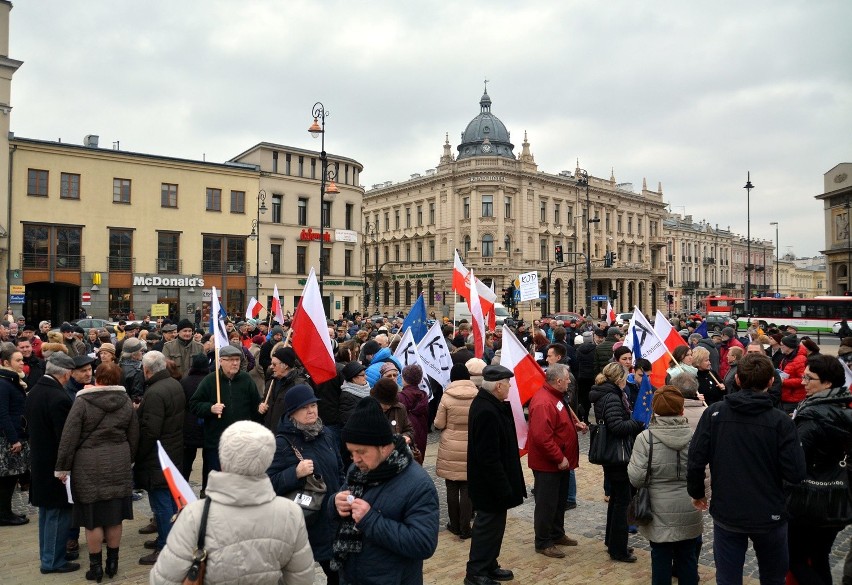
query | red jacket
(552,434)
(791,388)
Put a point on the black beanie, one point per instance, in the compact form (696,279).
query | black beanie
(367,425)
(459,372)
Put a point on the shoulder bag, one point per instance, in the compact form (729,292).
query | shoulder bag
(639,509)
(195,574)
(309,498)
(822,500)
(607,449)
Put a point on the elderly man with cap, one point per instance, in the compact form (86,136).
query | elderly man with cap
(131,331)
(81,375)
(47,408)
(792,369)
(169,333)
(131,367)
(285,374)
(73,346)
(252,536)
(494,475)
(181,349)
(239,401)
(387,509)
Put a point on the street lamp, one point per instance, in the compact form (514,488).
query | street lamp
(777,250)
(373,230)
(317,130)
(748,187)
(583,181)
(255,235)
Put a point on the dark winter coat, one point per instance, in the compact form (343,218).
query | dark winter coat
(193,425)
(161,416)
(417,406)
(240,397)
(751,448)
(276,398)
(494,475)
(603,353)
(134,380)
(707,386)
(324,451)
(181,352)
(609,407)
(329,394)
(13,399)
(47,407)
(99,444)
(36,370)
(586,361)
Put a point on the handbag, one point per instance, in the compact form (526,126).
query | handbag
(639,509)
(311,496)
(823,500)
(605,449)
(195,574)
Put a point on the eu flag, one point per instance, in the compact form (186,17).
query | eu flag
(416,319)
(702,329)
(642,408)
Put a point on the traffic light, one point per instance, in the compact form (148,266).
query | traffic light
(670,299)
(607,259)
(559,256)
(509,296)
(612,258)
(613,294)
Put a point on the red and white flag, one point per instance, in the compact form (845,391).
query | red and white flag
(610,313)
(529,377)
(178,486)
(666,332)
(310,333)
(651,346)
(254,308)
(276,306)
(461,284)
(492,314)
(478,321)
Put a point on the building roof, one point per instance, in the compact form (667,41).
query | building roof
(485,135)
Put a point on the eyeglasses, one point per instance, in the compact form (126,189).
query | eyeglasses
(808,378)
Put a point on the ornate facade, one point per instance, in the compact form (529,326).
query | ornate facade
(837,191)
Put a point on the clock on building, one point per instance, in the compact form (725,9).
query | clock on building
(486,148)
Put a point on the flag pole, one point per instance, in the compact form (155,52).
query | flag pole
(218,383)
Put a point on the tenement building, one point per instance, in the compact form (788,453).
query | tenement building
(506,217)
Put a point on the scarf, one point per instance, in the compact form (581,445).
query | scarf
(20,376)
(309,431)
(349,540)
(359,390)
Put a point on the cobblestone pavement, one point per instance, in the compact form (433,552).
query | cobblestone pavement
(585,563)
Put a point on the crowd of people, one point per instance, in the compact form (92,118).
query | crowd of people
(82,413)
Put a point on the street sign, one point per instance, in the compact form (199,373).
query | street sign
(777,295)
(86,299)
(543,296)
(600,298)
(16,299)
(517,295)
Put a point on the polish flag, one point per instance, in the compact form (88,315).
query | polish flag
(652,348)
(254,308)
(666,332)
(610,313)
(461,284)
(276,306)
(310,333)
(178,486)
(529,377)
(492,314)
(478,321)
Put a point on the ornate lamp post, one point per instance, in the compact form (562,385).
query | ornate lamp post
(255,235)
(777,250)
(317,130)
(583,181)
(748,187)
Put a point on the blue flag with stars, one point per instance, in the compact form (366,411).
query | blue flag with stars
(642,408)
(702,329)
(416,320)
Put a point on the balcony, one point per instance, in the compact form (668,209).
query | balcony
(690,285)
(657,242)
(38,261)
(121,264)
(708,260)
(224,267)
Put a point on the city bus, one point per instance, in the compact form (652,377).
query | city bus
(818,314)
(720,305)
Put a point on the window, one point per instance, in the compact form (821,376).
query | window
(68,247)
(120,301)
(556,213)
(347,263)
(408,252)
(396,218)
(396,252)
(618,224)
(301,259)
(276,209)
(387,254)
(167,252)
(508,204)
(212,254)
(274,162)
(348,219)
(326,213)
(36,246)
(606,219)
(387,221)
(37,183)
(69,186)
(325,259)
(287,164)
(431,214)
(121,250)
(231,249)
(168,195)
(432,250)
(507,244)
(275,251)
(419,215)
(121,190)
(466,245)
(214,199)
(487,206)
(630,224)
(639,225)
(466,208)
(542,211)
(301,166)
(47,247)
(570,215)
(303,212)
(420,251)
(238,201)
(408,217)
(487,246)
(542,251)
(313,168)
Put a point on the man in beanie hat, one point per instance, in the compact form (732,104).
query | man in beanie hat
(249,547)
(792,369)
(495,479)
(676,523)
(752,449)
(388,507)
(285,374)
(240,401)
(181,349)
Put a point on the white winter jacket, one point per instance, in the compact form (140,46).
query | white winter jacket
(253,536)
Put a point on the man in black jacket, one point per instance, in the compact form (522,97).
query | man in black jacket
(751,448)
(494,475)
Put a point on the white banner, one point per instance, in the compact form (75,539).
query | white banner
(529,286)
(406,353)
(434,355)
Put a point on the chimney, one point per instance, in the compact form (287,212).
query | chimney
(91,140)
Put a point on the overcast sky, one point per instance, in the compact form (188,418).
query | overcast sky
(691,96)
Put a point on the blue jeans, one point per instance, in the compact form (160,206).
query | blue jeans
(163,506)
(53,527)
(770,548)
(572,488)
(683,552)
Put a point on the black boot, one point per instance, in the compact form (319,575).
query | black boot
(96,570)
(112,562)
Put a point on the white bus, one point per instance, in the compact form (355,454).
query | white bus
(818,314)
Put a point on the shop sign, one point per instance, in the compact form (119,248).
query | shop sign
(17,289)
(489,178)
(169,281)
(348,236)
(309,235)
(160,310)
(412,276)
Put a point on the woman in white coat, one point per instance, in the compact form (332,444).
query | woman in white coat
(252,535)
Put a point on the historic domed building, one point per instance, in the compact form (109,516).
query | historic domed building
(505,217)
